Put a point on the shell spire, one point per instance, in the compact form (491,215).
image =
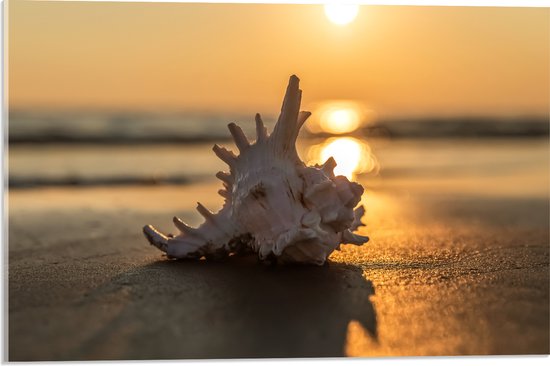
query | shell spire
(275,205)
(290,120)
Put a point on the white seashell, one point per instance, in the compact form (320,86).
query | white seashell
(275,205)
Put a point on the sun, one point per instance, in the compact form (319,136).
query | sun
(341,14)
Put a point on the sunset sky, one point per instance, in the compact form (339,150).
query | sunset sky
(399,61)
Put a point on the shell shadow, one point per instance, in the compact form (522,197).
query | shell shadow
(241,309)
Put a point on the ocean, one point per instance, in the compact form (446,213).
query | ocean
(87,149)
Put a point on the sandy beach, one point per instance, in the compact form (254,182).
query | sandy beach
(451,272)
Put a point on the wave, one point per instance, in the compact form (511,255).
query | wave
(113,129)
(460,127)
(41,181)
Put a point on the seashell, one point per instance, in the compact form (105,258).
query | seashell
(275,205)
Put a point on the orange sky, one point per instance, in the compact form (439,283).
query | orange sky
(237,57)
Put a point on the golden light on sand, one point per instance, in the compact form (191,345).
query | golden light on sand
(352,156)
(338,117)
(341,14)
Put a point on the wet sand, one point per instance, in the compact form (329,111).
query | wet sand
(444,274)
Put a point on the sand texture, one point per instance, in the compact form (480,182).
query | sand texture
(442,275)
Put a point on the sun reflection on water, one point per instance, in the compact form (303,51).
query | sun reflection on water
(352,156)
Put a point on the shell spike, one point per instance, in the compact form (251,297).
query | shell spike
(238,135)
(156,238)
(350,238)
(224,194)
(225,177)
(357,215)
(329,165)
(209,216)
(302,117)
(183,227)
(261,131)
(225,155)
